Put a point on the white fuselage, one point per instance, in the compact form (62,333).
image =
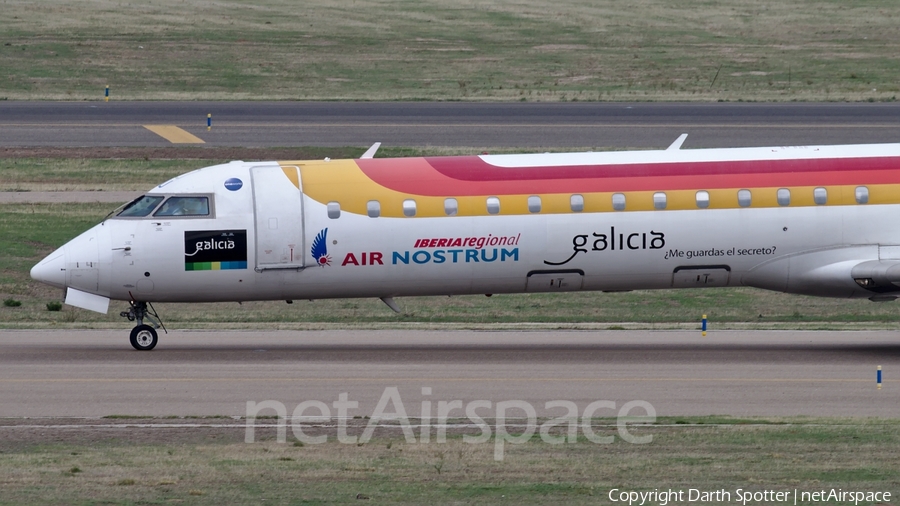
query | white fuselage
(809,249)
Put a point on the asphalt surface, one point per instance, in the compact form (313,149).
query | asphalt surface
(75,373)
(455,124)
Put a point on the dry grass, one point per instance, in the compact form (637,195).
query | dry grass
(809,454)
(505,50)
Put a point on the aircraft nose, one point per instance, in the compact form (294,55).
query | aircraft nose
(52,269)
(76,264)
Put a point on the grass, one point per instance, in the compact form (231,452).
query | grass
(78,174)
(782,455)
(429,50)
(34,230)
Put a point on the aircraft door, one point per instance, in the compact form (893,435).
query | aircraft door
(278,212)
(701,276)
(561,280)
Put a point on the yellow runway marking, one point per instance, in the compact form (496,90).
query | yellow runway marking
(174,134)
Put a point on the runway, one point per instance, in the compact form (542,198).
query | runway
(454,124)
(95,373)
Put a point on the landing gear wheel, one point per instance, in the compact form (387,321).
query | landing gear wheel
(143,338)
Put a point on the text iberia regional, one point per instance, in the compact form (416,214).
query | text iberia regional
(444,250)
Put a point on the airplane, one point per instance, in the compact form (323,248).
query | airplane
(815,220)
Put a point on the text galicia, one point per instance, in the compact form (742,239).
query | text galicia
(622,241)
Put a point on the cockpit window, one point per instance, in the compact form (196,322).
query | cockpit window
(184,206)
(142,206)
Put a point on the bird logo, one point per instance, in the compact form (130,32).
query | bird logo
(320,249)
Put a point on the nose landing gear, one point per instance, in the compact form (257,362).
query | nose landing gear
(143,337)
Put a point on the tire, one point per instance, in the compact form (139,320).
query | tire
(144,338)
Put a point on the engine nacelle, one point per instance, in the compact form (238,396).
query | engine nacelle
(850,272)
(881,277)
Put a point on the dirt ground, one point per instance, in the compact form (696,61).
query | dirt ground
(18,434)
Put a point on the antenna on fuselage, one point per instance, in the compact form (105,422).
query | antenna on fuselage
(370,153)
(675,146)
(391,304)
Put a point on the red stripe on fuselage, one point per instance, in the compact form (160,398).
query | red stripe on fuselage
(471,176)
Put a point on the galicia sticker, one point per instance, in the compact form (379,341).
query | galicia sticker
(215,250)
(233,184)
(319,249)
(630,240)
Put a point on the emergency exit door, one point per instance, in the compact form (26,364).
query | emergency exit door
(278,209)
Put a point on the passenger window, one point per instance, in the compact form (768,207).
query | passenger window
(409,208)
(141,206)
(334,210)
(659,200)
(784,197)
(184,206)
(576,202)
(618,201)
(820,196)
(744,198)
(534,204)
(702,199)
(493,205)
(451,207)
(862,195)
(373,208)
